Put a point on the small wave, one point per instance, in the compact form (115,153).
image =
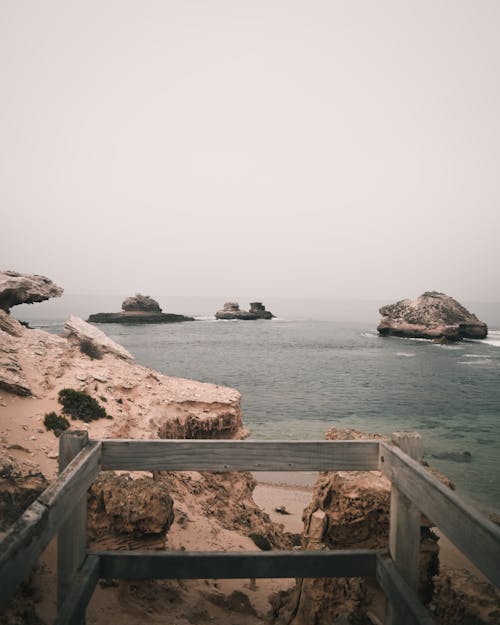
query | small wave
(493,342)
(369,335)
(405,354)
(204,318)
(475,356)
(476,363)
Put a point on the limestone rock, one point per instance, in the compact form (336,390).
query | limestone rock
(127,513)
(348,510)
(9,324)
(431,316)
(232,310)
(83,331)
(12,378)
(142,303)
(19,288)
(462,598)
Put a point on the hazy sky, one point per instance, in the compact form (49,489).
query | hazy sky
(329,149)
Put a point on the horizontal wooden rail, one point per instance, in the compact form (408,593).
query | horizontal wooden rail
(236,565)
(475,535)
(222,455)
(32,532)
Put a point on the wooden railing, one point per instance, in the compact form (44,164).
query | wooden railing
(62,509)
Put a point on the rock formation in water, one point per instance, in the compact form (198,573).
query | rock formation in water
(139,309)
(431,316)
(232,310)
(22,288)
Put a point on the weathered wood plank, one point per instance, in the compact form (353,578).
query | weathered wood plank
(74,481)
(404,529)
(236,565)
(404,600)
(72,611)
(72,537)
(404,532)
(20,549)
(31,533)
(221,455)
(475,535)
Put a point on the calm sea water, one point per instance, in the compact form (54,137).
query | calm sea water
(322,364)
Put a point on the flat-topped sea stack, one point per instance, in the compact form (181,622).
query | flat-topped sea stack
(232,310)
(139,309)
(431,316)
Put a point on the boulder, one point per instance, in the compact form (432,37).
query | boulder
(142,303)
(21,288)
(433,315)
(232,310)
(82,331)
(128,513)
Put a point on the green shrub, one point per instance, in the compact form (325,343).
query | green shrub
(79,405)
(91,350)
(55,423)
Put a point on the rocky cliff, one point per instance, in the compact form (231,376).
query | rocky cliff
(139,309)
(431,316)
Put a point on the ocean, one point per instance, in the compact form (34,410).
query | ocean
(321,364)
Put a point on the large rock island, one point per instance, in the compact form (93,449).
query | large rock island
(232,310)
(139,309)
(433,315)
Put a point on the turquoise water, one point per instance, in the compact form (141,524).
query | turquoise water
(299,376)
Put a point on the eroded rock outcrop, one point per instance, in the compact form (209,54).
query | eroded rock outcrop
(232,310)
(81,331)
(22,288)
(126,513)
(348,510)
(139,309)
(462,598)
(431,316)
(12,378)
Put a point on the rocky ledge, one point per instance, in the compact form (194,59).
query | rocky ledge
(139,309)
(232,310)
(22,288)
(431,316)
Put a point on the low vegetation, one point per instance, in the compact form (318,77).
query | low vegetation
(90,349)
(80,405)
(55,423)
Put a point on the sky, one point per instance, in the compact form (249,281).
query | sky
(285,148)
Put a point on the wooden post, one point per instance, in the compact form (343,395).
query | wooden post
(72,538)
(404,531)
